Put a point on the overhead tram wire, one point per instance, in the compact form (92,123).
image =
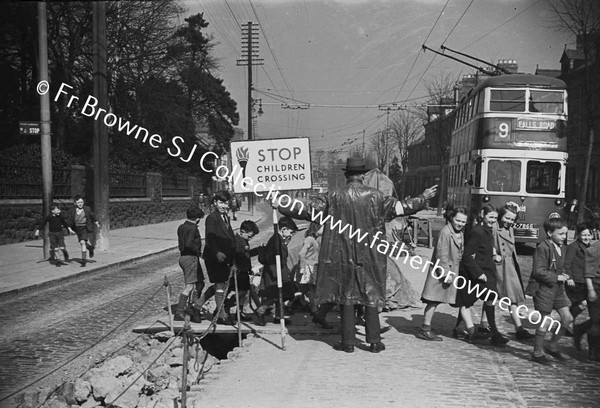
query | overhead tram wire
(419,52)
(233,15)
(457,22)
(215,24)
(434,55)
(287,85)
(483,36)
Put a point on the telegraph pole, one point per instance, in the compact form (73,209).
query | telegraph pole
(250,59)
(45,122)
(101,202)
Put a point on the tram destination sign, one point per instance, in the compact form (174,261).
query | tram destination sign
(535,124)
(282,163)
(29,128)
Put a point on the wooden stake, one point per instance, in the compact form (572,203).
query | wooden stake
(237,302)
(279,279)
(168,286)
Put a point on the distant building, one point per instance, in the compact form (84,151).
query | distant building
(573,71)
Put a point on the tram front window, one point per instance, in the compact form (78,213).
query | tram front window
(503,175)
(507,100)
(546,102)
(543,177)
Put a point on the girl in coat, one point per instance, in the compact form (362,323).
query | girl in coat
(508,274)
(479,270)
(309,256)
(447,255)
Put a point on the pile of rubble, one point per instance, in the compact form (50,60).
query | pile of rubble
(126,382)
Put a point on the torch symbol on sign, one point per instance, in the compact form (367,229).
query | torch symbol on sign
(243,155)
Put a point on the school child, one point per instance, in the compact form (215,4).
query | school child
(190,244)
(448,251)
(477,266)
(286,229)
(592,281)
(56,221)
(218,255)
(308,258)
(243,255)
(82,220)
(574,266)
(508,273)
(549,274)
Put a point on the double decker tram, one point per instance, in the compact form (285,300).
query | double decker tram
(509,144)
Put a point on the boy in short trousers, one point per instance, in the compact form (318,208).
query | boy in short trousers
(548,272)
(56,222)
(190,244)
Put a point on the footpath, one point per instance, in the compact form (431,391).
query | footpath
(409,373)
(23,268)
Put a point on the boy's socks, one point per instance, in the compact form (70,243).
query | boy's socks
(490,312)
(538,347)
(219,298)
(66,254)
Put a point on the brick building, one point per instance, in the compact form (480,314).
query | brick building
(573,72)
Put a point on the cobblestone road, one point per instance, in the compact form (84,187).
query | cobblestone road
(409,373)
(41,331)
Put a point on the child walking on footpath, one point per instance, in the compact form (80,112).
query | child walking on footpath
(82,220)
(190,245)
(56,221)
(549,274)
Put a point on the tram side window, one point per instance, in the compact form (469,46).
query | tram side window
(503,100)
(543,177)
(546,102)
(504,175)
(481,102)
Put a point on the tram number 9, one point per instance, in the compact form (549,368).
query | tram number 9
(503,130)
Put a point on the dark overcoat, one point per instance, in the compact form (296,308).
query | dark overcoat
(352,270)
(219,238)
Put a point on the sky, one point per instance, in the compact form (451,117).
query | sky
(365,53)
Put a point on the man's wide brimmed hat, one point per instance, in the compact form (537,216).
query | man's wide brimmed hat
(355,165)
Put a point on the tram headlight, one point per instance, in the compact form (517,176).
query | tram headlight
(522,199)
(558,202)
(486,199)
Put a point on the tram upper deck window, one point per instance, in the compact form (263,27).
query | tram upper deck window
(546,102)
(503,175)
(507,100)
(543,177)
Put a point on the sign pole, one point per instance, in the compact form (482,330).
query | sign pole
(279,280)
(45,122)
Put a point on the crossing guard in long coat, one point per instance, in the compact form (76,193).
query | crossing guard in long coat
(351,269)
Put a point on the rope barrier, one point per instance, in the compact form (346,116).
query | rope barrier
(83,351)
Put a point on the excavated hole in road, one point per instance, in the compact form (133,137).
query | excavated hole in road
(219,344)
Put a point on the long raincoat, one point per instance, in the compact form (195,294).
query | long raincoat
(353,270)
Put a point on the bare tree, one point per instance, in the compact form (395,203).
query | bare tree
(383,147)
(406,129)
(582,18)
(441,100)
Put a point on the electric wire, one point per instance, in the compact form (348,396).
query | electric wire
(263,28)
(419,53)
